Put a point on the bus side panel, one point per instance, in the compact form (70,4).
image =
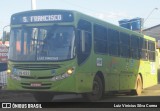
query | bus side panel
(128,73)
(149,73)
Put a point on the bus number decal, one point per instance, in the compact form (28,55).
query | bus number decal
(153,69)
(99,62)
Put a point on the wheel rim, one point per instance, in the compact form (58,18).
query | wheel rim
(139,87)
(96,88)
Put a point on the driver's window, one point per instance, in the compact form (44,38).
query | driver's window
(84,40)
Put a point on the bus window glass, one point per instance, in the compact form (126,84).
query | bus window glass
(124,44)
(100,39)
(113,42)
(151,50)
(42,43)
(135,47)
(84,40)
(143,49)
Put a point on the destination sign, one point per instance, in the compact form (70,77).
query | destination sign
(42,16)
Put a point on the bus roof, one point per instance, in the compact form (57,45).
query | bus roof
(68,15)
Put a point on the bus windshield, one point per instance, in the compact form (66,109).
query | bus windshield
(42,43)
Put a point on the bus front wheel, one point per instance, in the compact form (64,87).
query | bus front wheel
(97,90)
(43,96)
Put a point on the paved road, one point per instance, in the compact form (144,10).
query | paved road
(151,94)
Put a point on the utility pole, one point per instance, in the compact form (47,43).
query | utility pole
(33,4)
(144,21)
(150,14)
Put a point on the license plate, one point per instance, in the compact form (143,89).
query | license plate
(23,72)
(36,84)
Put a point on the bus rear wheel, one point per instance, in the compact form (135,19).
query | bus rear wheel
(97,90)
(43,96)
(139,86)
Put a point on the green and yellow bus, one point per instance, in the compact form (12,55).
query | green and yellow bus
(63,51)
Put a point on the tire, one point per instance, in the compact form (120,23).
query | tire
(97,90)
(43,96)
(139,86)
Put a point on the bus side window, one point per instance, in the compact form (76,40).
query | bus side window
(135,47)
(100,39)
(143,49)
(113,42)
(124,45)
(151,51)
(84,40)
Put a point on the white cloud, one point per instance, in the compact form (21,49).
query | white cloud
(112,15)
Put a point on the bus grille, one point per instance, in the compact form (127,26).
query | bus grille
(37,66)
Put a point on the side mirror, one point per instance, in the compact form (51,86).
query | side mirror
(4,37)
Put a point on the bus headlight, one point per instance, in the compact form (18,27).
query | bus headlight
(8,71)
(68,73)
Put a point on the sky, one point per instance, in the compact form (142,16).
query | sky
(108,10)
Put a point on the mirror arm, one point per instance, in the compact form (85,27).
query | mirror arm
(4,34)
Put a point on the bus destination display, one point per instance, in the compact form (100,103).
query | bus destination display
(43,17)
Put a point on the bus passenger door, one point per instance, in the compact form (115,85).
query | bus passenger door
(84,41)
